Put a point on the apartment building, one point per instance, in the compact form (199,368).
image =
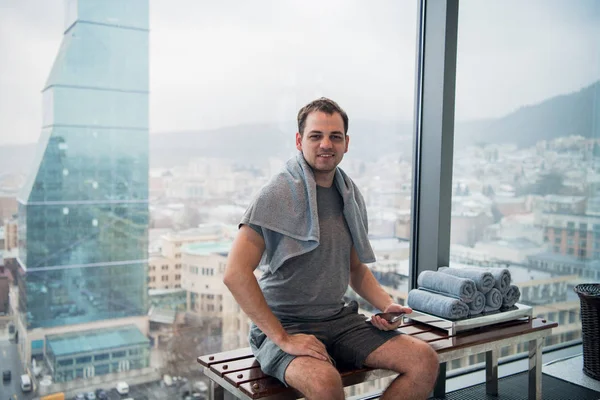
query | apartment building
(202,278)
(10,234)
(8,205)
(165,263)
(568,228)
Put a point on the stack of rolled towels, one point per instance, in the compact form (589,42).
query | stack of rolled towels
(455,293)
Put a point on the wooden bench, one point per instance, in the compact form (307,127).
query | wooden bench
(239,373)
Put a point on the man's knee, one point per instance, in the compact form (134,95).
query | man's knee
(314,378)
(429,364)
(327,385)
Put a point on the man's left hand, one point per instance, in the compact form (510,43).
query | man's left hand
(383,325)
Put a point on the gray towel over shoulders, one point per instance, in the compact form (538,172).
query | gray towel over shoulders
(287,208)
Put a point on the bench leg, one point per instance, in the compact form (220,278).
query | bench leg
(535,369)
(215,392)
(440,384)
(491,372)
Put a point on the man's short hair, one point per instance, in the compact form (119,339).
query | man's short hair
(325,105)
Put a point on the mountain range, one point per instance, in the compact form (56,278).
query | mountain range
(576,113)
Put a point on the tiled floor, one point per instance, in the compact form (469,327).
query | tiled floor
(562,379)
(571,370)
(515,387)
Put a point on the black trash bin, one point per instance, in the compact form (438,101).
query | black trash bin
(589,296)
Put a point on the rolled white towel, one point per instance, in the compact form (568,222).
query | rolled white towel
(448,285)
(493,300)
(478,304)
(483,279)
(502,277)
(437,304)
(511,296)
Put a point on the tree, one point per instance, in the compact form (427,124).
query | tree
(198,336)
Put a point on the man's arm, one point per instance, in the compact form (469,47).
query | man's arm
(366,286)
(244,257)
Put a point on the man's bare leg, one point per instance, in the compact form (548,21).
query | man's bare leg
(415,361)
(315,379)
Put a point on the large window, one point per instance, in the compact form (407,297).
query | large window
(525,172)
(158,122)
(163,126)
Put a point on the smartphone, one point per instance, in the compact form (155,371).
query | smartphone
(391,317)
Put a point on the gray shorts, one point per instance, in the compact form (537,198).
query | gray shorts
(348,338)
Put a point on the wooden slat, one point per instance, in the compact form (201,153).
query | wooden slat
(263,388)
(251,374)
(239,368)
(236,354)
(234,366)
(414,329)
(490,334)
(431,336)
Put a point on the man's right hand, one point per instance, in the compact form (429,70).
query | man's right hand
(301,344)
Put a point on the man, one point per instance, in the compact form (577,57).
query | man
(309,225)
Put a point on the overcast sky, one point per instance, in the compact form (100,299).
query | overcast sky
(220,63)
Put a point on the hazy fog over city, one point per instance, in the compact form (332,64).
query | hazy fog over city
(215,65)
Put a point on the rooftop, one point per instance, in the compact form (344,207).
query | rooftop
(566,259)
(388,244)
(202,230)
(164,292)
(207,248)
(162,316)
(94,341)
(520,243)
(569,200)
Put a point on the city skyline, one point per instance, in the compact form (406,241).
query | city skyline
(242,73)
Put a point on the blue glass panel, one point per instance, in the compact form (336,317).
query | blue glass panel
(84,164)
(102,57)
(131,13)
(100,108)
(37,344)
(83,234)
(102,369)
(79,295)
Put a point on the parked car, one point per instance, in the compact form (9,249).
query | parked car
(168,381)
(101,394)
(79,396)
(90,396)
(6,375)
(195,396)
(25,383)
(122,387)
(201,386)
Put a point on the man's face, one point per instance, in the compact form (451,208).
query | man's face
(323,143)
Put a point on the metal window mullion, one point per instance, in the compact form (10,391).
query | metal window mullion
(435,78)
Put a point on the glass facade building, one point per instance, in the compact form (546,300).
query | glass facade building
(83,210)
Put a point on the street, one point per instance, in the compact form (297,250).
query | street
(9,360)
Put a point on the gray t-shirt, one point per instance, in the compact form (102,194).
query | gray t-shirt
(311,286)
